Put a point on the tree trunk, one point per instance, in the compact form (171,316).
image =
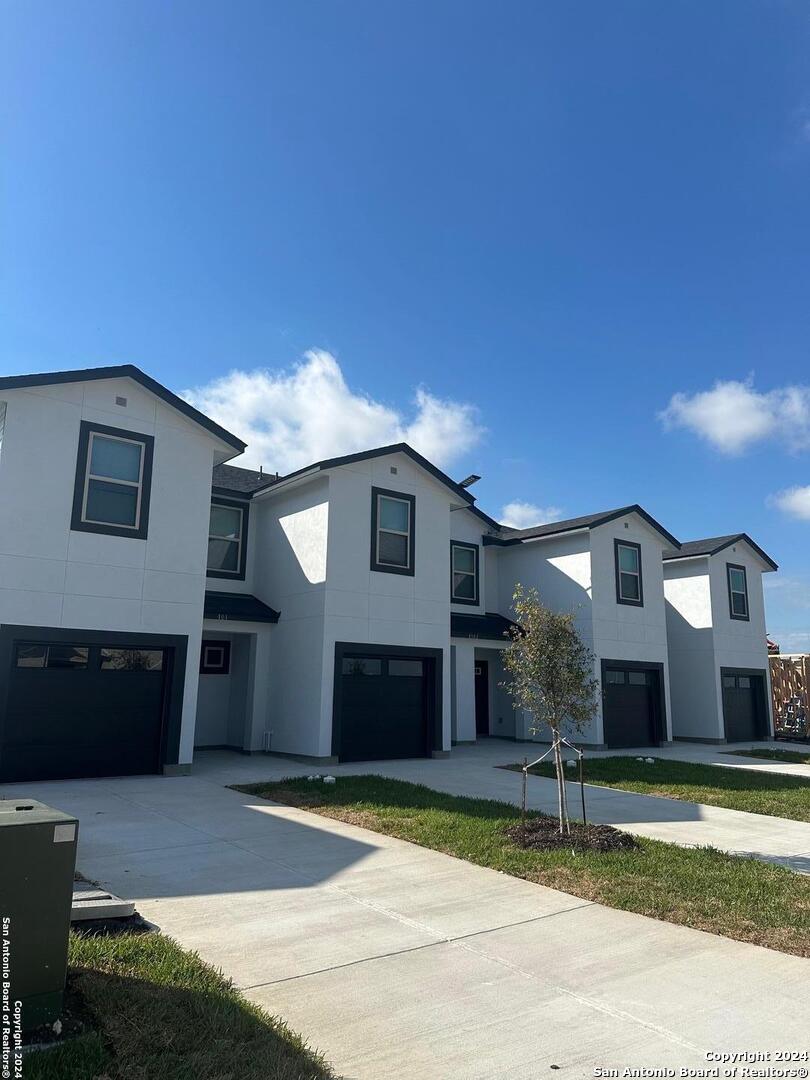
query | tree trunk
(555,734)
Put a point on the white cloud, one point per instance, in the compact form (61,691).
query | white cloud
(794,501)
(523,515)
(293,417)
(733,415)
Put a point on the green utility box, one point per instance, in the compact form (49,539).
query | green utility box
(37,866)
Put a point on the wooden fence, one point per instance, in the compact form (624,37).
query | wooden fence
(790,687)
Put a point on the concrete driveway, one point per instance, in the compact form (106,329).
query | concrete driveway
(474,771)
(401,962)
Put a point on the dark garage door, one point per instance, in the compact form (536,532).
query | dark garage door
(382,705)
(743,705)
(78,710)
(630,706)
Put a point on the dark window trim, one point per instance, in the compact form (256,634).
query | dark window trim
(764,717)
(225,669)
(239,575)
(86,429)
(433,659)
(384,568)
(175,648)
(619,598)
(460,599)
(747,616)
(659,699)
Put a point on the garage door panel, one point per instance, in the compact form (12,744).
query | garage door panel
(629,706)
(382,702)
(63,722)
(743,706)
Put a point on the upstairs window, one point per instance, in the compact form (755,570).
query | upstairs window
(629,587)
(464,572)
(737,592)
(113,481)
(227,536)
(392,532)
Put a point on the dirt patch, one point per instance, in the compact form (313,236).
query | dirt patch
(543,834)
(74,1020)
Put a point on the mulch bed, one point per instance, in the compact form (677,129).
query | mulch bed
(543,834)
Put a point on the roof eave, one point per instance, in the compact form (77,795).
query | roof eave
(232,443)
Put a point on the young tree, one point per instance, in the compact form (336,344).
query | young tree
(550,673)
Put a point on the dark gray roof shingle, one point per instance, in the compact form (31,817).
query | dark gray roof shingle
(587,521)
(711,545)
(240,481)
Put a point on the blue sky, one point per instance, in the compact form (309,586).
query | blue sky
(546,219)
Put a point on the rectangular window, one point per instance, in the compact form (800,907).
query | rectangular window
(629,588)
(131,659)
(392,531)
(464,572)
(227,537)
(737,592)
(215,658)
(616,678)
(359,665)
(66,657)
(405,668)
(113,481)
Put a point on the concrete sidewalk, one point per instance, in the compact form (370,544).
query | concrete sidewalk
(398,962)
(473,771)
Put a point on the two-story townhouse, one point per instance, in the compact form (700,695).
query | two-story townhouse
(716,637)
(606,570)
(355,609)
(105,487)
(355,553)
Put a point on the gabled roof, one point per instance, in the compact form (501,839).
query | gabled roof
(713,544)
(383,451)
(234,480)
(124,371)
(509,537)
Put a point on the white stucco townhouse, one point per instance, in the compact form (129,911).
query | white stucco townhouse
(355,609)
(718,653)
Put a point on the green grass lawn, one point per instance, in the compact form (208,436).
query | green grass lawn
(159,1012)
(706,889)
(737,789)
(795,757)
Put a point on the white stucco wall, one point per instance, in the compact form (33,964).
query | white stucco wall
(693,667)
(471,529)
(291,531)
(52,576)
(703,638)
(624,631)
(370,607)
(560,569)
(739,643)
(465,689)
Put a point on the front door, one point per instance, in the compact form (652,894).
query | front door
(481,697)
